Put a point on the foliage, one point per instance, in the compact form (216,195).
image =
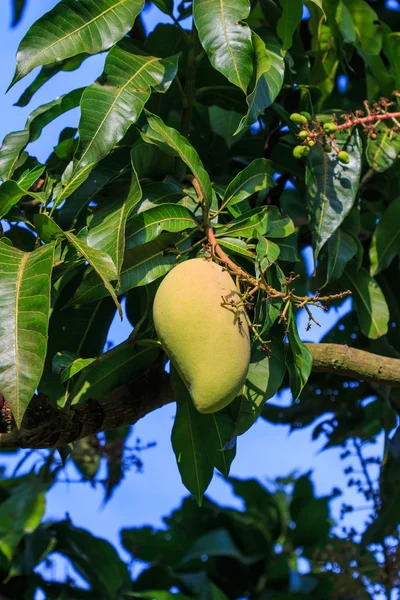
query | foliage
(245,139)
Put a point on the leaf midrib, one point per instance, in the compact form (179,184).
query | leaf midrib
(23,72)
(20,273)
(225,30)
(119,94)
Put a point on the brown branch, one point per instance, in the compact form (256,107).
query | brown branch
(356,364)
(46,427)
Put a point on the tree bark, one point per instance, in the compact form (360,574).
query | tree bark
(44,426)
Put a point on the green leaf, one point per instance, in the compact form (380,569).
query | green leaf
(68,364)
(80,331)
(11,193)
(372,309)
(100,261)
(141,266)
(292,12)
(264,379)
(24,315)
(383,151)
(187,438)
(288,248)
(224,123)
(166,6)
(255,177)
(18,8)
(112,369)
(159,134)
(108,225)
(267,252)
(385,244)
(318,3)
(14,143)
(332,188)
(366,24)
(342,247)
(236,246)
(48,72)
(88,26)
(24,508)
(298,358)
(270,71)
(247,225)
(219,441)
(216,543)
(114,102)
(95,559)
(225,38)
(279,226)
(147,225)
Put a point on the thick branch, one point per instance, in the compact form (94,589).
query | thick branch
(356,364)
(45,427)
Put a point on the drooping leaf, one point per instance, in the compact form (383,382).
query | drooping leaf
(366,24)
(270,70)
(18,11)
(385,244)
(225,38)
(372,309)
(112,369)
(219,441)
(147,225)
(100,261)
(14,143)
(188,442)
(107,228)
(292,11)
(264,379)
(89,26)
(255,177)
(332,188)
(298,358)
(159,134)
(342,247)
(48,72)
(95,559)
(116,100)
(24,315)
(141,266)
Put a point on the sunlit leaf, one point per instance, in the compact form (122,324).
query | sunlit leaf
(24,315)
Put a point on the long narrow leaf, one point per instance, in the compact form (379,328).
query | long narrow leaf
(87,26)
(24,315)
(225,38)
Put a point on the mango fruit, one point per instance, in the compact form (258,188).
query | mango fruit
(208,342)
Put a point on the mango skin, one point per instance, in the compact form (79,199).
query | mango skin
(208,346)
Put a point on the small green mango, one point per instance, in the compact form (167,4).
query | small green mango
(344,157)
(330,128)
(298,119)
(301,151)
(207,341)
(306,115)
(303,135)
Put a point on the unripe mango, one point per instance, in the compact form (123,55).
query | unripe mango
(298,119)
(330,127)
(207,341)
(344,157)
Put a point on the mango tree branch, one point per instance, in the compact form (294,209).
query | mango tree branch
(46,427)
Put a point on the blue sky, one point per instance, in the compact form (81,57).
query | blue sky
(264,452)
